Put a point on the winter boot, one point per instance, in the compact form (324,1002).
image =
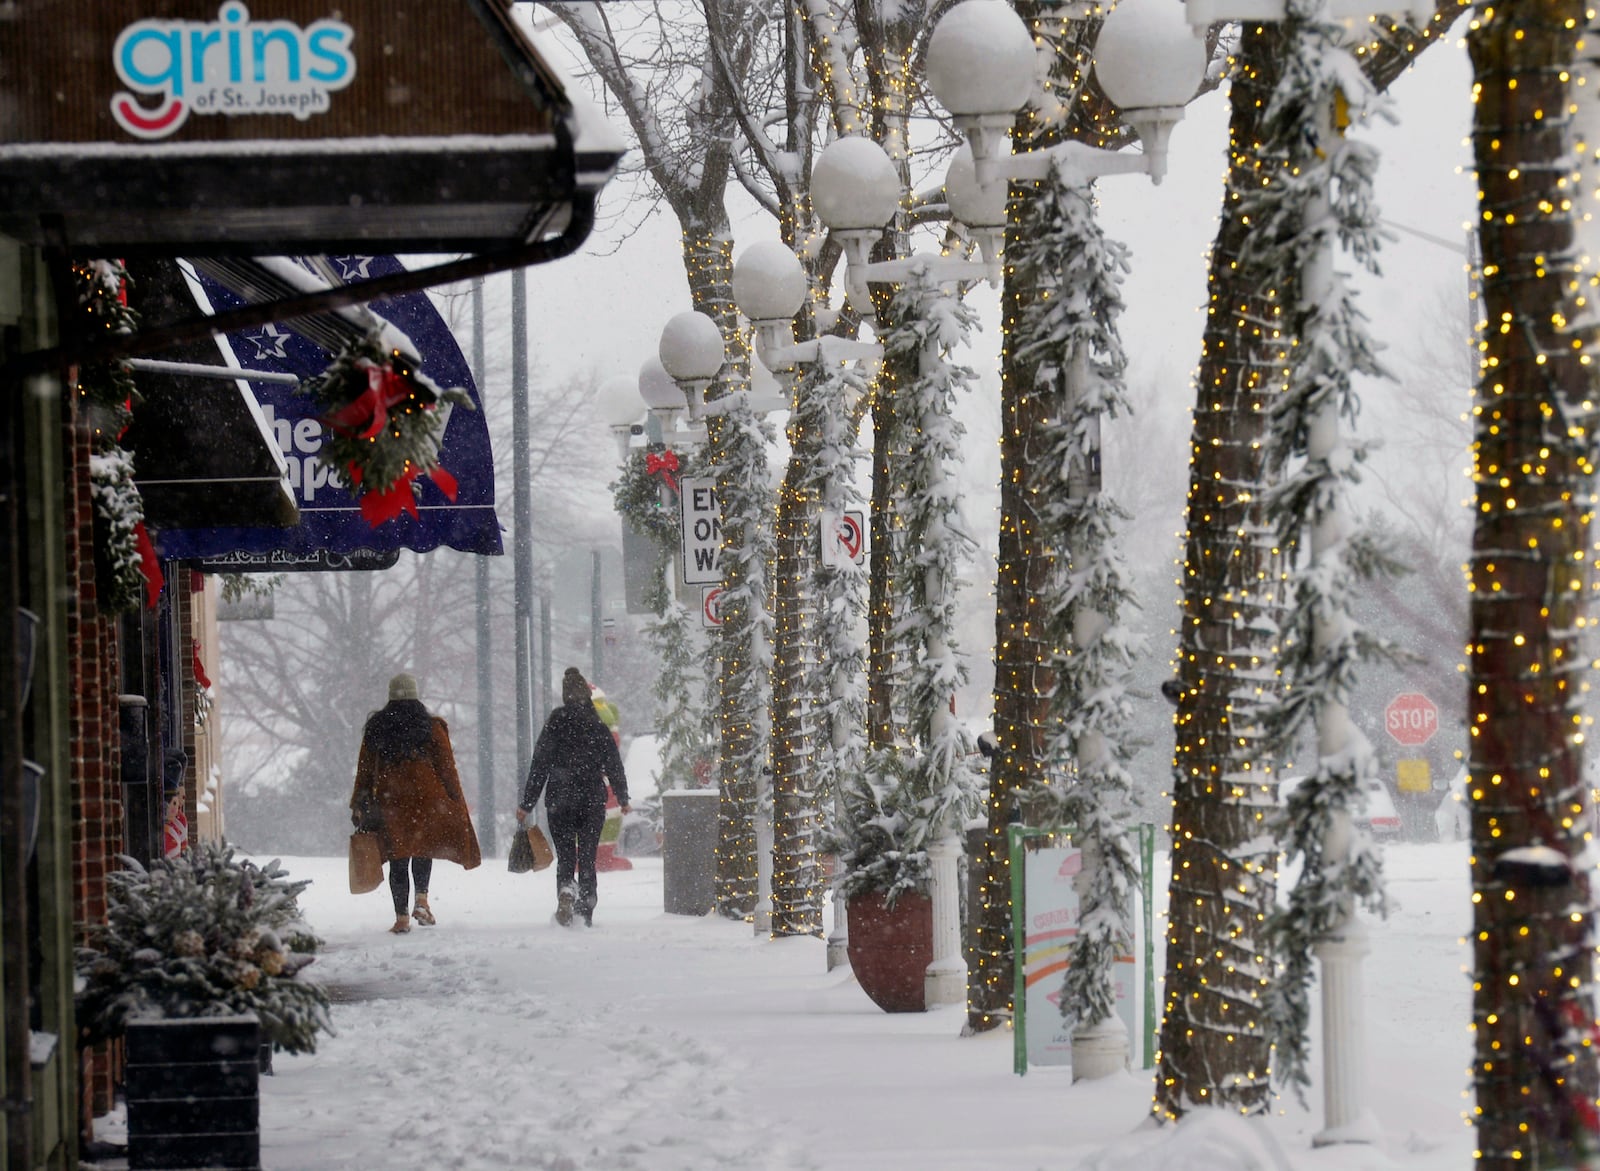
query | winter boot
(421,912)
(402,924)
(564,907)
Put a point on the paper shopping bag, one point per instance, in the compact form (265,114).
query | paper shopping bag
(366,863)
(530,850)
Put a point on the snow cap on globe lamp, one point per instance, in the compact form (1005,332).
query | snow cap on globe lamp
(980,65)
(769,286)
(621,405)
(980,206)
(692,351)
(768,282)
(856,191)
(657,388)
(1149,62)
(620,402)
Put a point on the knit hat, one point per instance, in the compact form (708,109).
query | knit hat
(574,687)
(402,686)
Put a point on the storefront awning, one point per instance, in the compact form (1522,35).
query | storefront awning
(202,452)
(288,128)
(331,531)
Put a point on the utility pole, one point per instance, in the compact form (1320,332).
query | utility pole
(486,796)
(596,623)
(522,555)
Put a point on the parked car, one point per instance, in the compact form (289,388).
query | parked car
(1377,814)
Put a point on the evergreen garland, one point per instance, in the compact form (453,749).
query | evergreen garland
(836,676)
(106,393)
(1324,194)
(202,934)
(910,796)
(381,424)
(740,440)
(646,496)
(1069,334)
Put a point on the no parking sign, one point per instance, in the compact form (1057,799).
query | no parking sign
(711,607)
(844,538)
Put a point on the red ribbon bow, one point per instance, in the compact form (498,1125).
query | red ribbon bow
(665,462)
(378,507)
(368,412)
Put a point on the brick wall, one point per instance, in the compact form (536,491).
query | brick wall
(92,648)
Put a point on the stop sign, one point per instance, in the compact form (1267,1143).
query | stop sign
(1411,718)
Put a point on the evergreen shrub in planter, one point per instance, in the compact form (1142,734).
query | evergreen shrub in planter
(197,966)
(203,934)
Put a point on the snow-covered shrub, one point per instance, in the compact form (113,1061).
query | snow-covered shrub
(203,934)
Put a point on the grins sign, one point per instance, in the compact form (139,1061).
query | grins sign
(232,65)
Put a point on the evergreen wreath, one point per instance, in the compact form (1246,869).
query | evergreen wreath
(202,934)
(106,394)
(638,496)
(381,425)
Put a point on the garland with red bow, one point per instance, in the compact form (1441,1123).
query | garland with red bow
(647,492)
(128,571)
(382,426)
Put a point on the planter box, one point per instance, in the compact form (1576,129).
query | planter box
(192,1093)
(891,948)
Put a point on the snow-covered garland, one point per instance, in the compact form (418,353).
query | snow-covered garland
(836,675)
(106,392)
(1069,332)
(1325,196)
(740,438)
(646,495)
(382,425)
(906,799)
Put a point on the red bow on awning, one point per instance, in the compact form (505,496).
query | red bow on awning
(369,411)
(149,566)
(378,507)
(665,462)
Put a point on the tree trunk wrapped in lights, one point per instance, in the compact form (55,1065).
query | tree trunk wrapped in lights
(836,680)
(911,794)
(1534,451)
(1024,658)
(1224,864)
(1072,344)
(1213,1043)
(1320,197)
(818,703)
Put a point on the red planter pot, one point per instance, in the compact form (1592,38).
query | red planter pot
(890,949)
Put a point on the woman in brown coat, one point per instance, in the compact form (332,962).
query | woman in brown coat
(408,793)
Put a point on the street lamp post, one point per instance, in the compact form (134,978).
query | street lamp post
(980,66)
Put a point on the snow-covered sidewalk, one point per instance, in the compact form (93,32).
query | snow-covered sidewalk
(658,1042)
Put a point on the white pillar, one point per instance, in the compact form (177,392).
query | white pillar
(1344,1037)
(946,979)
(763,915)
(839,938)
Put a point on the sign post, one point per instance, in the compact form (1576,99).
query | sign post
(702,531)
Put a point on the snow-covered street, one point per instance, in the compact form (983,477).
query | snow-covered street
(498,1039)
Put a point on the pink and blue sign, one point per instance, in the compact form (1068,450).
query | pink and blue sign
(231,65)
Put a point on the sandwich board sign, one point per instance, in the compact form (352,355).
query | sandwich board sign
(1045,870)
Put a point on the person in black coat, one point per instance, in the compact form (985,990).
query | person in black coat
(575,756)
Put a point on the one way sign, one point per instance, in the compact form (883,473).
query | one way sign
(702,531)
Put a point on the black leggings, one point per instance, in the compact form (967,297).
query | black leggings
(576,830)
(400,885)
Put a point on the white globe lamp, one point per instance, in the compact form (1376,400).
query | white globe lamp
(692,352)
(980,65)
(980,206)
(1149,62)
